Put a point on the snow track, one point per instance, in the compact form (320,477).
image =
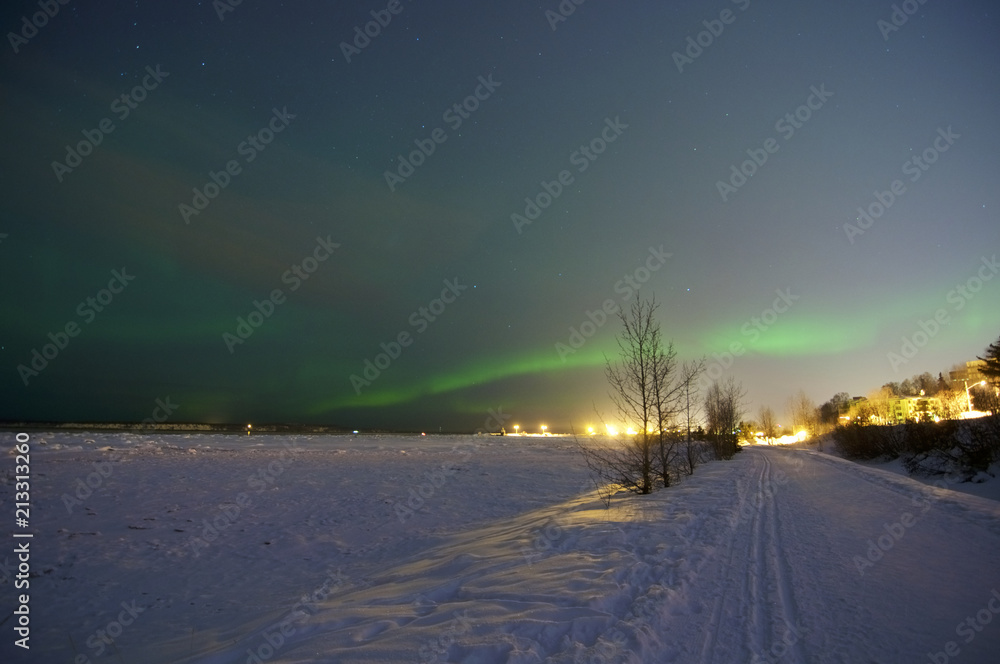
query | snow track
(758,595)
(780,624)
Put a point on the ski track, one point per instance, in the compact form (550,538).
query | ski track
(764,605)
(788,616)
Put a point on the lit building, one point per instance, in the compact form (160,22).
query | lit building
(970,374)
(916,409)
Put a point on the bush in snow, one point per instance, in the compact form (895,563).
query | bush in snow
(970,448)
(963,448)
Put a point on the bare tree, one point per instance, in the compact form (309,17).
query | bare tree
(690,371)
(633,379)
(953,404)
(768,424)
(805,414)
(724,404)
(667,393)
(877,409)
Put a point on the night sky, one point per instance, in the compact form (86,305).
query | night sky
(357,192)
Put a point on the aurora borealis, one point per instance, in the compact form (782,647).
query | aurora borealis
(443,194)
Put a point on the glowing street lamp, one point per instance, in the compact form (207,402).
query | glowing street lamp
(248,429)
(969,396)
(590,430)
(516,427)
(543,429)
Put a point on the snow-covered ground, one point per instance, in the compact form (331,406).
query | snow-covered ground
(224,549)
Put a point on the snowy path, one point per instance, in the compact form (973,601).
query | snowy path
(753,559)
(806,580)
(777,555)
(757,581)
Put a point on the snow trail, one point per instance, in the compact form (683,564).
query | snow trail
(758,595)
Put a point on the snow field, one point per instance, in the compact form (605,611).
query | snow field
(301,549)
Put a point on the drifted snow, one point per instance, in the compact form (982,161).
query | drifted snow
(513,558)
